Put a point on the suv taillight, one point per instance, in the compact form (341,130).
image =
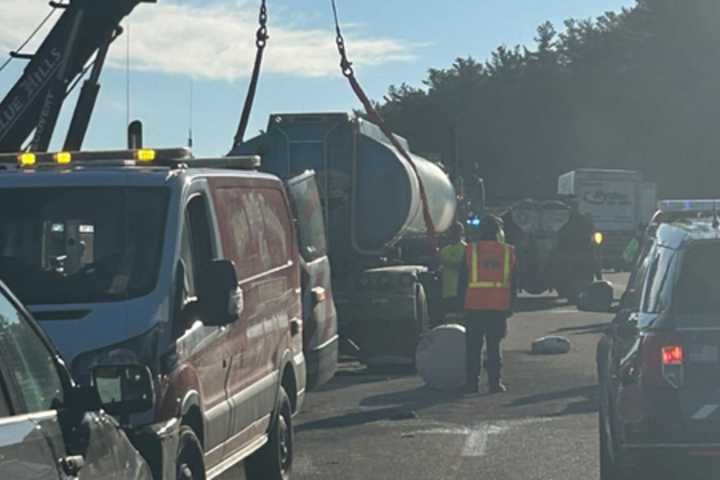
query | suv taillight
(663,360)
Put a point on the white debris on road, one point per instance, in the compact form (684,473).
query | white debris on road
(440,357)
(551,345)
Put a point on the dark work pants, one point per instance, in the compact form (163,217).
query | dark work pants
(481,327)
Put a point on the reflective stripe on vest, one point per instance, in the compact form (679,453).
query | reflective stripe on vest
(474,283)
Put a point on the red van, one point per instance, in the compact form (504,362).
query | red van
(189,267)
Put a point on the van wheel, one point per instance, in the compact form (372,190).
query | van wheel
(275,459)
(190,463)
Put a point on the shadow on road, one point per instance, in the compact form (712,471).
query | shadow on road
(537,304)
(584,329)
(587,400)
(398,406)
(355,419)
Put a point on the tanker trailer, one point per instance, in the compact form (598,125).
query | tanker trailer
(383,261)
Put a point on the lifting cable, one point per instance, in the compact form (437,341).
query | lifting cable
(261,39)
(27,40)
(374,115)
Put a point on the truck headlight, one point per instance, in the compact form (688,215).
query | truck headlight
(598,238)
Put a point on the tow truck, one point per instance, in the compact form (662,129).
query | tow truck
(79,42)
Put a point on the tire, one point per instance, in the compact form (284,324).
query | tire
(190,464)
(274,460)
(610,467)
(607,465)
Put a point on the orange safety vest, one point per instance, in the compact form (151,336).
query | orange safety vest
(490,266)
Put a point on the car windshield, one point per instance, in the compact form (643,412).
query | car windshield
(698,283)
(81,245)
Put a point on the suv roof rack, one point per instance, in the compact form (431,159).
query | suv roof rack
(143,157)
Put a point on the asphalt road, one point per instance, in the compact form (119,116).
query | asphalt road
(390,426)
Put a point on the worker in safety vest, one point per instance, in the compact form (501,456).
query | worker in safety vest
(452,256)
(487,276)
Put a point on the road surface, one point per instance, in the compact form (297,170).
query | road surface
(390,426)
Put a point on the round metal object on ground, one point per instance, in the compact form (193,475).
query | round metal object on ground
(440,357)
(551,345)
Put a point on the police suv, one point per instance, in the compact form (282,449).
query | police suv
(659,366)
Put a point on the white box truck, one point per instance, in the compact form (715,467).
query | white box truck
(617,201)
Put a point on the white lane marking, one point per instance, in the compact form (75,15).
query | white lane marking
(478,437)
(477,441)
(705,412)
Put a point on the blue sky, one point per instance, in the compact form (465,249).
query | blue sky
(208,44)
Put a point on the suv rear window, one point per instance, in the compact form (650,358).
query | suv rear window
(699,283)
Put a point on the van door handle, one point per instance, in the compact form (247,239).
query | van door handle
(295,326)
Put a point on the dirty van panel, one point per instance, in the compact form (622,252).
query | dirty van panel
(81,244)
(319,313)
(256,236)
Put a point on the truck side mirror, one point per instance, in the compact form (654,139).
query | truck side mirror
(220,296)
(124,389)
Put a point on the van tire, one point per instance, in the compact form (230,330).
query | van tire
(274,461)
(190,464)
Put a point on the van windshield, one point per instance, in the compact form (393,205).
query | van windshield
(81,245)
(699,283)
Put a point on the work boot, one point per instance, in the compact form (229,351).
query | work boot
(497,387)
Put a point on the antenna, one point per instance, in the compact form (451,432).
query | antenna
(190,117)
(127,75)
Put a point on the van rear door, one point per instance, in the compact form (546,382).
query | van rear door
(320,337)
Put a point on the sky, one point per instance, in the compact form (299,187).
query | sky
(207,47)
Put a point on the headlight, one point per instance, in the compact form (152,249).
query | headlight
(598,238)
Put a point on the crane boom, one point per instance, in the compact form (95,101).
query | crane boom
(34,102)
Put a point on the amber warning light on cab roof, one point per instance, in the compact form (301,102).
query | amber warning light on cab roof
(32,159)
(168,157)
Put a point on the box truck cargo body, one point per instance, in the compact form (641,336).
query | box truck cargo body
(617,201)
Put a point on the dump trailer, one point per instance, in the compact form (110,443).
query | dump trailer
(556,248)
(384,264)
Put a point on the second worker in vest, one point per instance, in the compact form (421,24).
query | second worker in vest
(487,278)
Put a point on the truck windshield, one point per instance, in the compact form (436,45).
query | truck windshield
(81,245)
(696,297)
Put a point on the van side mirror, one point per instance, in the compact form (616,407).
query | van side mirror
(124,389)
(221,299)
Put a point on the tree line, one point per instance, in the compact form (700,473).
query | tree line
(636,89)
